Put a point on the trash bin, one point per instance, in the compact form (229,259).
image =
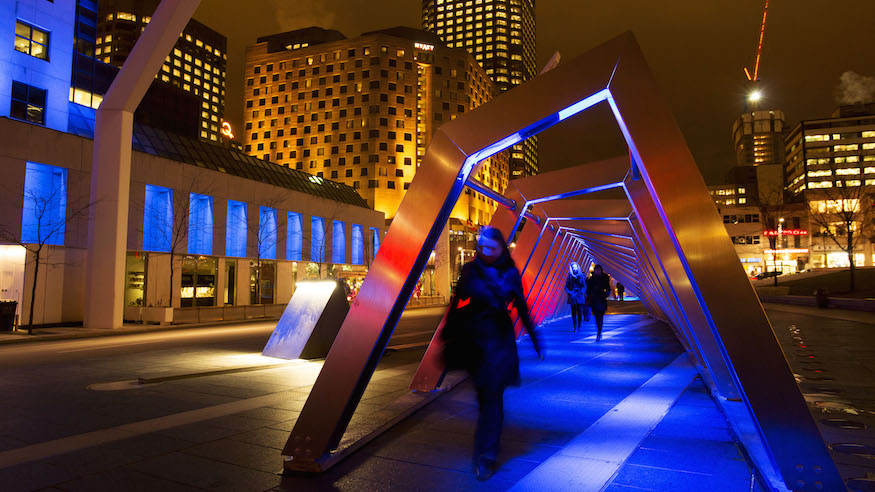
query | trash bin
(7,315)
(821,297)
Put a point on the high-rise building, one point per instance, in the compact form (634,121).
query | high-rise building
(195,65)
(823,150)
(500,34)
(362,111)
(758,138)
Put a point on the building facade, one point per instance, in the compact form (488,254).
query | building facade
(362,111)
(831,167)
(239,232)
(196,65)
(500,34)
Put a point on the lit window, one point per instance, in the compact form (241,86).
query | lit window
(267,233)
(235,230)
(44,211)
(357,245)
(200,224)
(294,237)
(31,41)
(338,242)
(375,241)
(158,219)
(317,239)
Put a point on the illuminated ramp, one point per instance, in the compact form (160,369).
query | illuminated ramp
(647,217)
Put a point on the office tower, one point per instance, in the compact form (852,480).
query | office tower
(362,111)
(758,138)
(195,65)
(500,34)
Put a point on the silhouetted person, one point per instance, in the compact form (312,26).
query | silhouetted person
(575,287)
(480,336)
(620,291)
(598,287)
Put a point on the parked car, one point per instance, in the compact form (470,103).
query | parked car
(773,273)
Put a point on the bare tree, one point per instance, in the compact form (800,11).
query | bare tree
(49,221)
(328,215)
(265,231)
(174,229)
(842,212)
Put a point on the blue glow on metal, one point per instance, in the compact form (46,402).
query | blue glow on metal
(44,211)
(200,224)
(621,219)
(570,194)
(584,104)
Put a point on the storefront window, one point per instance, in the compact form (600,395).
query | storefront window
(135,279)
(262,279)
(198,281)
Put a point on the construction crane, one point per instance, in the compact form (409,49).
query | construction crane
(755,95)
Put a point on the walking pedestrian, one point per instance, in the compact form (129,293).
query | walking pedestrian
(620,291)
(575,287)
(480,338)
(598,287)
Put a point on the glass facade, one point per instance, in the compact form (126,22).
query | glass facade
(200,224)
(235,229)
(198,281)
(158,219)
(44,211)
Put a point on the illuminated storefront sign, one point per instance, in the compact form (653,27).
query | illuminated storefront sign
(786,232)
(226,129)
(751,260)
(797,251)
(423,46)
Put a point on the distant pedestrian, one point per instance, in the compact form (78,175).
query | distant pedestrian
(598,287)
(480,338)
(575,287)
(620,291)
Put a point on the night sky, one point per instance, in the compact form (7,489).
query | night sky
(696,49)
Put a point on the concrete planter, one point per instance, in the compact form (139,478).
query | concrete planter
(158,315)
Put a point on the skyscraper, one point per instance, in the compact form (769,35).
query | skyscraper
(758,138)
(196,64)
(500,34)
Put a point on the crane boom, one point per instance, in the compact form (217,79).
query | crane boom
(756,67)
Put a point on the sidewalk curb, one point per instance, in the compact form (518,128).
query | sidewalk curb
(144,329)
(134,331)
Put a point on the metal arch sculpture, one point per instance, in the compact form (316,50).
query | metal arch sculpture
(671,248)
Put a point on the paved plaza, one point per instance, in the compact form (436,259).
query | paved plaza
(199,426)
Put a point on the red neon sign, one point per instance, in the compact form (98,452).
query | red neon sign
(786,232)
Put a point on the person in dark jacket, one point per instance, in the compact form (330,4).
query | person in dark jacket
(575,287)
(621,290)
(488,285)
(598,287)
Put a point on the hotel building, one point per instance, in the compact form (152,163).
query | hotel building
(362,111)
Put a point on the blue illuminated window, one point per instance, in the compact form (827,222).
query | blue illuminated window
(235,229)
(338,242)
(358,241)
(294,237)
(200,224)
(267,233)
(375,241)
(158,219)
(317,239)
(44,211)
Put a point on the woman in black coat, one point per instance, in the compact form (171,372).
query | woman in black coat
(598,286)
(480,335)
(575,287)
